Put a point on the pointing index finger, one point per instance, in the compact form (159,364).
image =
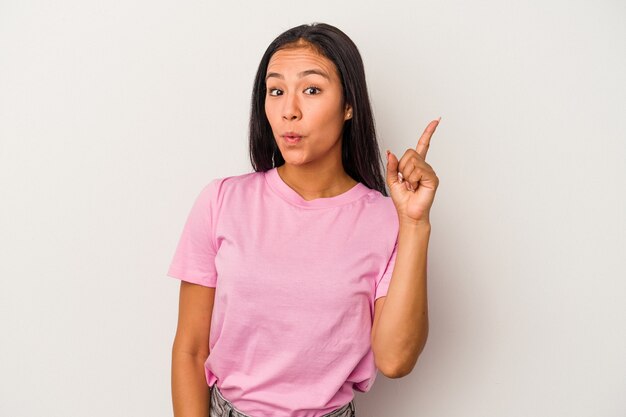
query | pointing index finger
(424,141)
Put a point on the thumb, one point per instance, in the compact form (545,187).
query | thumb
(392,168)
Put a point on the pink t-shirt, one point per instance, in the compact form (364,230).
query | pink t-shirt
(295,283)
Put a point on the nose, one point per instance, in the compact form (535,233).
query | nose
(291,109)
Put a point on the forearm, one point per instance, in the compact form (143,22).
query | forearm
(190,393)
(402,328)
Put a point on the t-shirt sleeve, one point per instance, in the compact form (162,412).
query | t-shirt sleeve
(383,284)
(194,258)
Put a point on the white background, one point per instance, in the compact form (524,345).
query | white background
(114,114)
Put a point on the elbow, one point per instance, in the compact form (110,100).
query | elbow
(392,375)
(394,372)
(397,367)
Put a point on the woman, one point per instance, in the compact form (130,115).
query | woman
(285,271)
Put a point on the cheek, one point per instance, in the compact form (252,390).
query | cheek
(269,112)
(331,119)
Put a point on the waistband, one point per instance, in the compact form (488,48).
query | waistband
(221,407)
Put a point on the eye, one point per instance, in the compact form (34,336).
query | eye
(313,88)
(270,91)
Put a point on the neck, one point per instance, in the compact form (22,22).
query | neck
(316,183)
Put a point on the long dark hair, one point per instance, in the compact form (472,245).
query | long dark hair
(359,149)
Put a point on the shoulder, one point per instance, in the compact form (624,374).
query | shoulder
(220,186)
(234,181)
(382,206)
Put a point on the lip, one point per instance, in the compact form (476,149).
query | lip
(292,137)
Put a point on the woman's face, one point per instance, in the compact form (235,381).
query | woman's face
(304,99)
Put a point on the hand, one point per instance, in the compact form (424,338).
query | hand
(412,182)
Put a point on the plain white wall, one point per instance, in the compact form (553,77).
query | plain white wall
(114,114)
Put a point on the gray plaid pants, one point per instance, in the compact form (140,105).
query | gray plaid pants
(221,407)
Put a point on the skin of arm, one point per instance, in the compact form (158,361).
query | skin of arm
(190,393)
(400,326)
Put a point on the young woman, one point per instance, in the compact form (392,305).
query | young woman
(300,280)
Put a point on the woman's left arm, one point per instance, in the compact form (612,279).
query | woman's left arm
(400,327)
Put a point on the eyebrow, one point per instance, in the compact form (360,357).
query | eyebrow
(300,74)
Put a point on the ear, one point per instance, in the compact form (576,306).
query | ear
(348,112)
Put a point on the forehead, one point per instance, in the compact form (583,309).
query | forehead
(301,58)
